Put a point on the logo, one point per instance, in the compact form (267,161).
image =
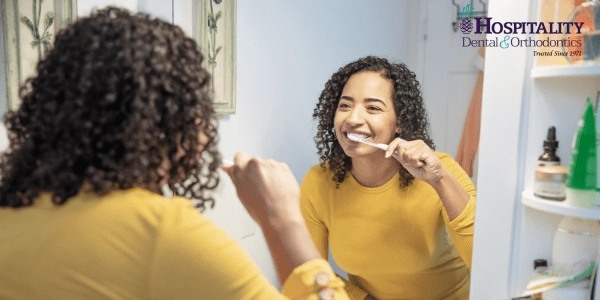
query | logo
(467,13)
(486,32)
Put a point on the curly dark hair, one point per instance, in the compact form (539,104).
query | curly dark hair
(117,97)
(408,105)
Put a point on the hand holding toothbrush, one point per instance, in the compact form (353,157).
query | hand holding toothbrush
(267,188)
(270,193)
(417,158)
(420,160)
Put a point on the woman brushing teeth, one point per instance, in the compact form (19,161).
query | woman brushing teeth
(400,222)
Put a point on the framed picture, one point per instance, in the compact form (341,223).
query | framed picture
(29,27)
(215,35)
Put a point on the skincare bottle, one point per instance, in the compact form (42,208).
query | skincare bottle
(597,198)
(575,247)
(549,182)
(539,266)
(575,241)
(581,180)
(549,158)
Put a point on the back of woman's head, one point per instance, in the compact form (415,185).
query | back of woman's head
(120,101)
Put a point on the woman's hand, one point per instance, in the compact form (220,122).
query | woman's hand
(418,159)
(270,193)
(267,189)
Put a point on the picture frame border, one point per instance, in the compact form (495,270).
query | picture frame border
(65,12)
(201,35)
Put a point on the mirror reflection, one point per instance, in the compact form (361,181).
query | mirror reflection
(372,124)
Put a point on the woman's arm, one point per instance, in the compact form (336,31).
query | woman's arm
(452,184)
(194,258)
(452,194)
(418,159)
(270,193)
(461,227)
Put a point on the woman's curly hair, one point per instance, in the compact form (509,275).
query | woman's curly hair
(408,105)
(117,97)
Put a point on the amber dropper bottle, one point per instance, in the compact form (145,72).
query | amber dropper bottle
(549,158)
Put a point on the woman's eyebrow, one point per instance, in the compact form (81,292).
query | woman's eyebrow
(366,100)
(375,100)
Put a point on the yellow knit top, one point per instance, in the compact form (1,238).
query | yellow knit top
(395,243)
(132,244)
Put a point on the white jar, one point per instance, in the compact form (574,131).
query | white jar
(575,244)
(566,293)
(550,182)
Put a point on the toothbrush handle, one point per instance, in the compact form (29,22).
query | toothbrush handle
(376,145)
(384,147)
(381,146)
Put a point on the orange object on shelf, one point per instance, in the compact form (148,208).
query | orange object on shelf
(584,14)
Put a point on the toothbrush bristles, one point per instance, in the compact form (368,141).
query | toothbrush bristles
(355,137)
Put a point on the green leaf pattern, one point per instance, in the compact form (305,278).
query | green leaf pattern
(213,50)
(48,20)
(27,22)
(45,38)
(467,12)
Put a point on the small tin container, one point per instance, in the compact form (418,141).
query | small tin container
(550,182)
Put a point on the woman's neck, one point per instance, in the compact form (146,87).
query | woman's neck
(374,172)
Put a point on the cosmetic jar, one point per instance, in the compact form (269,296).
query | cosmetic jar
(550,182)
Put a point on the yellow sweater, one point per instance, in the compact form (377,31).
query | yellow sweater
(132,244)
(394,243)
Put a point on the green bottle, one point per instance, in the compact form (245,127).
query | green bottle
(581,180)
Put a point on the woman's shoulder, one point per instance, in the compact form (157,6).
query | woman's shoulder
(145,203)
(443,156)
(318,170)
(318,175)
(448,162)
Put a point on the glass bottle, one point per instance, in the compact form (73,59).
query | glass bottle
(549,158)
(539,266)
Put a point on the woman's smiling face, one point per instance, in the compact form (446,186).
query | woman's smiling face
(366,107)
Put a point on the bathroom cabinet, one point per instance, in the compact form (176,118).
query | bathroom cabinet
(521,99)
(556,97)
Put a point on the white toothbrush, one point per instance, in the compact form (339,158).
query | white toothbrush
(357,138)
(227,162)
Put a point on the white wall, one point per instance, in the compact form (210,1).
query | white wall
(287,50)
(84,7)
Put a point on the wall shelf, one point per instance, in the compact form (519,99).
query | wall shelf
(559,207)
(590,69)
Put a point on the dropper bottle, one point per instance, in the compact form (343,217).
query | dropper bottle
(549,158)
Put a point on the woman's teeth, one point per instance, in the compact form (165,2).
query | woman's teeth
(361,136)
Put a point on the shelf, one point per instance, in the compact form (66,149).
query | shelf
(590,69)
(559,207)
